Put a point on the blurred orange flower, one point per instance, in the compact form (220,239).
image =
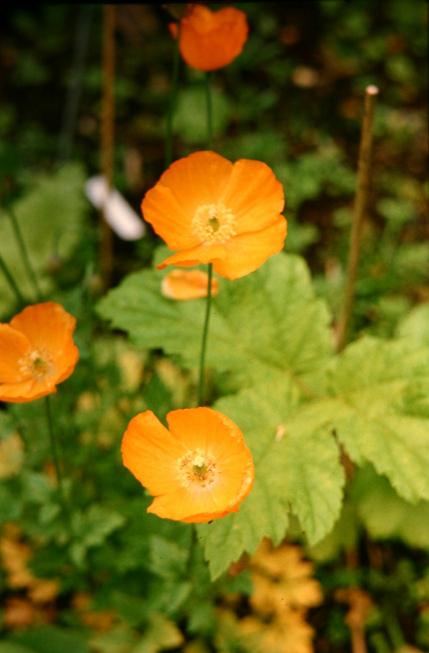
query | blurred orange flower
(36,352)
(209,40)
(210,210)
(187,284)
(198,469)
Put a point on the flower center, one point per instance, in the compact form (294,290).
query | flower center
(213,223)
(197,468)
(37,364)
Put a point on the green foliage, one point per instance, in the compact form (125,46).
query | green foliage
(49,639)
(92,528)
(190,119)
(282,326)
(371,396)
(386,515)
(292,99)
(372,381)
(51,219)
(296,468)
(415,326)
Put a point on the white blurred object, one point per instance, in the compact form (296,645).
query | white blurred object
(118,213)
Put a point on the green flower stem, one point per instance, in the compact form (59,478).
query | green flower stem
(205,334)
(55,456)
(172,106)
(24,253)
(209,106)
(11,281)
(192,551)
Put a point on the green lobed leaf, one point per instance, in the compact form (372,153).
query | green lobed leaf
(297,469)
(377,412)
(281,326)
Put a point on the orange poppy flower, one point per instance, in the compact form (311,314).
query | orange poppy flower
(209,40)
(198,469)
(36,352)
(187,284)
(210,210)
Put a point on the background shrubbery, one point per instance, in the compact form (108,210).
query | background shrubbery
(293,99)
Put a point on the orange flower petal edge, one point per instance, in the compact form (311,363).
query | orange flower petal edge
(37,352)
(183,285)
(209,210)
(209,40)
(197,469)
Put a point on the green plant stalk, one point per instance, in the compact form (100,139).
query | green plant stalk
(192,550)
(359,212)
(172,106)
(11,281)
(55,457)
(209,106)
(201,380)
(24,254)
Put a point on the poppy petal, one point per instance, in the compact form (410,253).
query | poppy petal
(13,347)
(254,195)
(200,254)
(212,39)
(247,252)
(183,285)
(187,184)
(46,325)
(19,393)
(150,452)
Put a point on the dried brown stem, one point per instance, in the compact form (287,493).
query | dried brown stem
(360,207)
(107,132)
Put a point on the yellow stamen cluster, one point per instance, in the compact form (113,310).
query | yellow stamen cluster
(213,223)
(197,468)
(37,364)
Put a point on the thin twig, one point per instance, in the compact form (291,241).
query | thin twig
(107,133)
(360,207)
